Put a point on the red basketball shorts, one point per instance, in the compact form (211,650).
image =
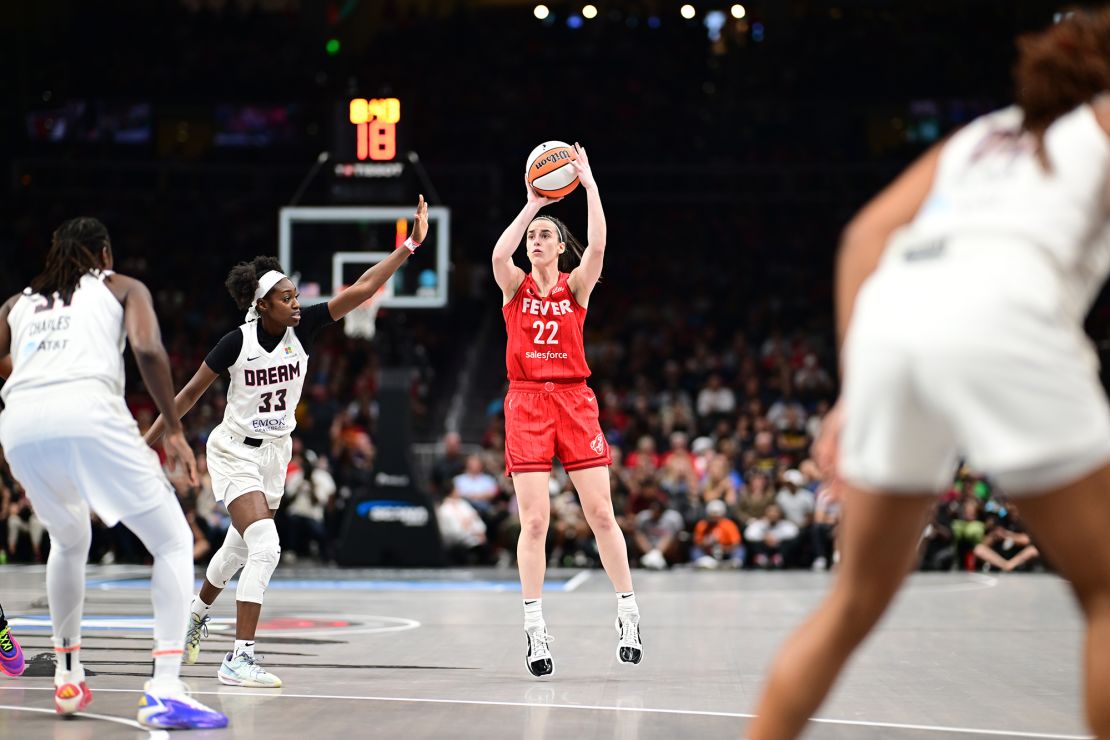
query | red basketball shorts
(546,420)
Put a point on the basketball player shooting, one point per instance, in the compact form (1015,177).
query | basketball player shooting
(549,409)
(248,453)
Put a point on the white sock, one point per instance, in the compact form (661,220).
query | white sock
(167,660)
(243,646)
(68,657)
(166,535)
(626,604)
(533,613)
(199,608)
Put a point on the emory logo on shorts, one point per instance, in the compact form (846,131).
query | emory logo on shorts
(598,445)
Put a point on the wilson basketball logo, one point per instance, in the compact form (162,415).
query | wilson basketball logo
(550,171)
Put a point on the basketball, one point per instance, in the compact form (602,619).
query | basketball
(550,172)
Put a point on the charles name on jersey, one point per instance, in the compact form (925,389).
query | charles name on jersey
(271,375)
(545,307)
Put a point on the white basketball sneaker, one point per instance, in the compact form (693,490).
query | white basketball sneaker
(244,670)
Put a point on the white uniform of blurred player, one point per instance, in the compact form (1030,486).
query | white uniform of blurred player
(75,448)
(961,292)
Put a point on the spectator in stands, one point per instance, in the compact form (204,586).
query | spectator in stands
(766,457)
(1005,545)
(462,530)
(715,401)
(716,539)
(968,530)
(793,440)
(721,482)
(309,487)
(812,381)
(644,457)
(657,537)
(938,549)
(448,464)
(796,501)
(22,520)
(755,499)
(771,539)
(476,485)
(826,519)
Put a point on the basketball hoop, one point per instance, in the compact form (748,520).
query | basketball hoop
(361,323)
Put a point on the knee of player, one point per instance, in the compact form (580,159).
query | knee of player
(535,527)
(601,518)
(263,544)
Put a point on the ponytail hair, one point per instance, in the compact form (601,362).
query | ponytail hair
(242,281)
(74,252)
(572,256)
(1062,67)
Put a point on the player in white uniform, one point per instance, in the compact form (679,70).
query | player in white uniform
(74,447)
(966,283)
(248,454)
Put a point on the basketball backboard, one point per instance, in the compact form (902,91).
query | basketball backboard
(327,248)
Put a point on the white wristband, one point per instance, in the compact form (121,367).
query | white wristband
(411,245)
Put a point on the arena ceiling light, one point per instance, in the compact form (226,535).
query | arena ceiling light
(688,11)
(739,11)
(589,12)
(541,11)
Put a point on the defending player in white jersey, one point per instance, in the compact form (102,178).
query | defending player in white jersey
(74,446)
(248,454)
(961,291)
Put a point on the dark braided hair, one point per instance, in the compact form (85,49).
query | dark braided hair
(570,258)
(74,251)
(242,281)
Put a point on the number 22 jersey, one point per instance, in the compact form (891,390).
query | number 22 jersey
(545,333)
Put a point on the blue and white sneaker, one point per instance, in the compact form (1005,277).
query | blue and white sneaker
(168,706)
(244,670)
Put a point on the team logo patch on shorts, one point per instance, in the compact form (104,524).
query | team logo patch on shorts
(598,445)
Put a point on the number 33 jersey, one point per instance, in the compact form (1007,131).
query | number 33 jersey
(545,333)
(265,386)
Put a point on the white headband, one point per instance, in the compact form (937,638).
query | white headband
(266,283)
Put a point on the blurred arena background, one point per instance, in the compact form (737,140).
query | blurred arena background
(730,150)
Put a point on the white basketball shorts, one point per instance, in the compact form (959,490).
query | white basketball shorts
(238,468)
(70,449)
(970,358)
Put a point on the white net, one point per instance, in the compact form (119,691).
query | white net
(361,323)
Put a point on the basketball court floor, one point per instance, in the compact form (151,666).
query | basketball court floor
(440,654)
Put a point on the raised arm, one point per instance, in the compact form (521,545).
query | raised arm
(185,400)
(146,344)
(584,277)
(505,272)
(370,281)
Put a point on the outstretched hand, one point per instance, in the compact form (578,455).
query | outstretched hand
(581,164)
(420,221)
(536,198)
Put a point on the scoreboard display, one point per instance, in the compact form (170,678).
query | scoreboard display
(368,130)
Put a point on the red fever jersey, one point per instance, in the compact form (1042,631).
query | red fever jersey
(545,333)
(549,409)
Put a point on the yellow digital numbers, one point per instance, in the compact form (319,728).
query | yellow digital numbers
(375,123)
